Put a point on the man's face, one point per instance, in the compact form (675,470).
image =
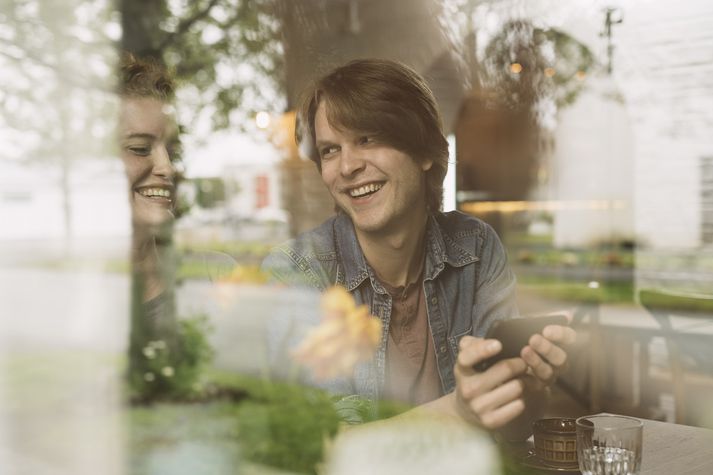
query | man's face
(381,189)
(147,135)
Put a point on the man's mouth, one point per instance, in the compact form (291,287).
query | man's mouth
(365,190)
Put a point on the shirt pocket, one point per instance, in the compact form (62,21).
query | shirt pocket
(455,339)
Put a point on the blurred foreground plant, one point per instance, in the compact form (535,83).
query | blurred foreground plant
(347,335)
(288,425)
(291,427)
(282,424)
(172,370)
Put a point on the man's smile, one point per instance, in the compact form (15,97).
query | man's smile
(363,190)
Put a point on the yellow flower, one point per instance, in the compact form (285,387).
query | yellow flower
(244,274)
(347,335)
(336,301)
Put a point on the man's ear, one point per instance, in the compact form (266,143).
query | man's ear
(426,165)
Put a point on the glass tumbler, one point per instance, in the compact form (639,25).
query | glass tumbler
(609,445)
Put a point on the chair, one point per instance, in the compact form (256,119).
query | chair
(688,343)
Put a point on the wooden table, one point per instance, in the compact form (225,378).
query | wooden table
(676,449)
(669,449)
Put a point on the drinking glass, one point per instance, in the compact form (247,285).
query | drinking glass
(609,445)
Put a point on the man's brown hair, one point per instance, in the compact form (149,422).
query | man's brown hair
(388,101)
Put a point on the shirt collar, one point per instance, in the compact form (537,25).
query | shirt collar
(441,249)
(350,255)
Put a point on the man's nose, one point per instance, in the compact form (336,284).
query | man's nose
(352,161)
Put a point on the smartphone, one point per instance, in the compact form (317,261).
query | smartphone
(514,335)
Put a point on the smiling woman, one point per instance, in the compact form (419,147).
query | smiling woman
(148,139)
(147,132)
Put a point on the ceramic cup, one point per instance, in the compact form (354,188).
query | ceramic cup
(556,441)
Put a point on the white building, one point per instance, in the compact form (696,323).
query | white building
(593,169)
(32,209)
(663,64)
(250,172)
(650,155)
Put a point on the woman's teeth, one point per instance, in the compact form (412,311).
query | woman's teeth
(363,190)
(154,192)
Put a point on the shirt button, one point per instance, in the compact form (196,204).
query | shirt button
(442,349)
(434,300)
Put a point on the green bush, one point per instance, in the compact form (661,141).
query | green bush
(288,426)
(173,371)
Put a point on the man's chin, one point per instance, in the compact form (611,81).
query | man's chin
(367,224)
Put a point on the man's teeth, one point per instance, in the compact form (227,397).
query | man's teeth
(152,192)
(363,190)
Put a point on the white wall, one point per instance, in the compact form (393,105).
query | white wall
(664,65)
(592,165)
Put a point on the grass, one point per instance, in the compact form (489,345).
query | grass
(192,267)
(618,292)
(607,292)
(237,249)
(573,258)
(676,302)
(35,380)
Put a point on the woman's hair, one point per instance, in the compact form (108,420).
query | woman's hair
(144,78)
(386,100)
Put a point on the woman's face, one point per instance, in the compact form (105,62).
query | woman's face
(148,136)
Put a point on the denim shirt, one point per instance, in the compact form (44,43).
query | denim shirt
(467,285)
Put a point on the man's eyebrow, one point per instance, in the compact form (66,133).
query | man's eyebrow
(322,143)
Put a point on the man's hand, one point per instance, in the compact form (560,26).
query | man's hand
(492,398)
(545,356)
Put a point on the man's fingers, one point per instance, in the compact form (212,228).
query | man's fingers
(502,415)
(474,350)
(475,384)
(491,398)
(547,350)
(498,397)
(560,334)
(541,369)
(544,355)
(505,370)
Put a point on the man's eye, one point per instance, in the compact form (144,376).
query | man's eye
(328,151)
(141,151)
(365,139)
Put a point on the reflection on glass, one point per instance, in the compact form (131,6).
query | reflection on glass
(164,353)
(582,136)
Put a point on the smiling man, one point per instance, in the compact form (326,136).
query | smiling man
(437,280)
